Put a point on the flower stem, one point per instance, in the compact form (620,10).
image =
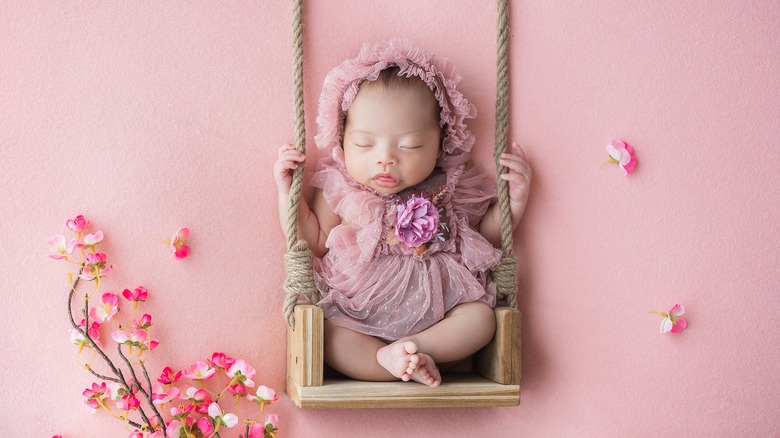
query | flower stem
(140,387)
(154,407)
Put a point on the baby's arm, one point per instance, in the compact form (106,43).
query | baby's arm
(314,221)
(519,180)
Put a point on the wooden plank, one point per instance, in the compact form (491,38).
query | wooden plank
(455,391)
(500,360)
(305,347)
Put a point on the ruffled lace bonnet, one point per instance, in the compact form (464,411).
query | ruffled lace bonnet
(343,82)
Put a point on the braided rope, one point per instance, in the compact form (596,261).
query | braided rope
(300,279)
(298,260)
(505,274)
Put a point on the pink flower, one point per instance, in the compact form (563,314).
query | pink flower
(138,294)
(180,250)
(220,360)
(144,322)
(204,425)
(228,420)
(136,434)
(95,395)
(107,310)
(79,339)
(417,223)
(168,376)
(265,396)
(195,395)
(93,239)
(242,372)
(95,266)
(672,321)
(128,402)
(77,224)
(273,420)
(59,248)
(256,431)
(237,389)
(161,396)
(199,371)
(136,339)
(622,154)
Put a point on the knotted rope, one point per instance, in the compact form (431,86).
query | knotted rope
(298,260)
(300,276)
(505,274)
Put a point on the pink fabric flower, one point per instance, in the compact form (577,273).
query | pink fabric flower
(95,395)
(128,402)
(93,239)
(138,294)
(204,425)
(273,420)
(672,321)
(622,154)
(265,396)
(199,371)
(77,224)
(256,431)
(417,222)
(95,266)
(144,322)
(180,250)
(136,434)
(161,396)
(60,248)
(228,420)
(242,372)
(168,376)
(220,360)
(107,310)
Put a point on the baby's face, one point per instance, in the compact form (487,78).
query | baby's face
(391,137)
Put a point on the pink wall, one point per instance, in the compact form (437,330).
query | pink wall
(150,117)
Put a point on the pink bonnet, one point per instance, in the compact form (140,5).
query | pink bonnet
(343,82)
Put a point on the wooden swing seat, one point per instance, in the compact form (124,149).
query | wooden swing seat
(496,381)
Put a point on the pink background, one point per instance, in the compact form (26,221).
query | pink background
(150,116)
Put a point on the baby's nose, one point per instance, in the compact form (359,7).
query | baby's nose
(385,157)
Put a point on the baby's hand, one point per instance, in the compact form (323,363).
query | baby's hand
(288,161)
(519,179)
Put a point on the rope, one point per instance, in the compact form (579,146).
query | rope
(505,274)
(298,260)
(300,277)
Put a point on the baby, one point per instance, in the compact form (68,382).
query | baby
(404,227)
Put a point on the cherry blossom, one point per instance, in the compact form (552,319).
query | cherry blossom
(138,294)
(108,309)
(77,224)
(93,239)
(95,395)
(95,266)
(242,372)
(168,376)
(60,248)
(264,396)
(672,321)
(128,402)
(161,396)
(228,420)
(199,371)
(145,321)
(622,154)
(178,243)
(220,360)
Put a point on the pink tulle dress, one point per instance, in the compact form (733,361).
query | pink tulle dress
(397,263)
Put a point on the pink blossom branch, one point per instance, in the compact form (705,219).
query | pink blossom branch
(156,412)
(117,372)
(147,395)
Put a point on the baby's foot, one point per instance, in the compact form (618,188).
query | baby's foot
(426,372)
(399,359)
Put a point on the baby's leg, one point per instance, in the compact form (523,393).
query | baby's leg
(464,330)
(356,355)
